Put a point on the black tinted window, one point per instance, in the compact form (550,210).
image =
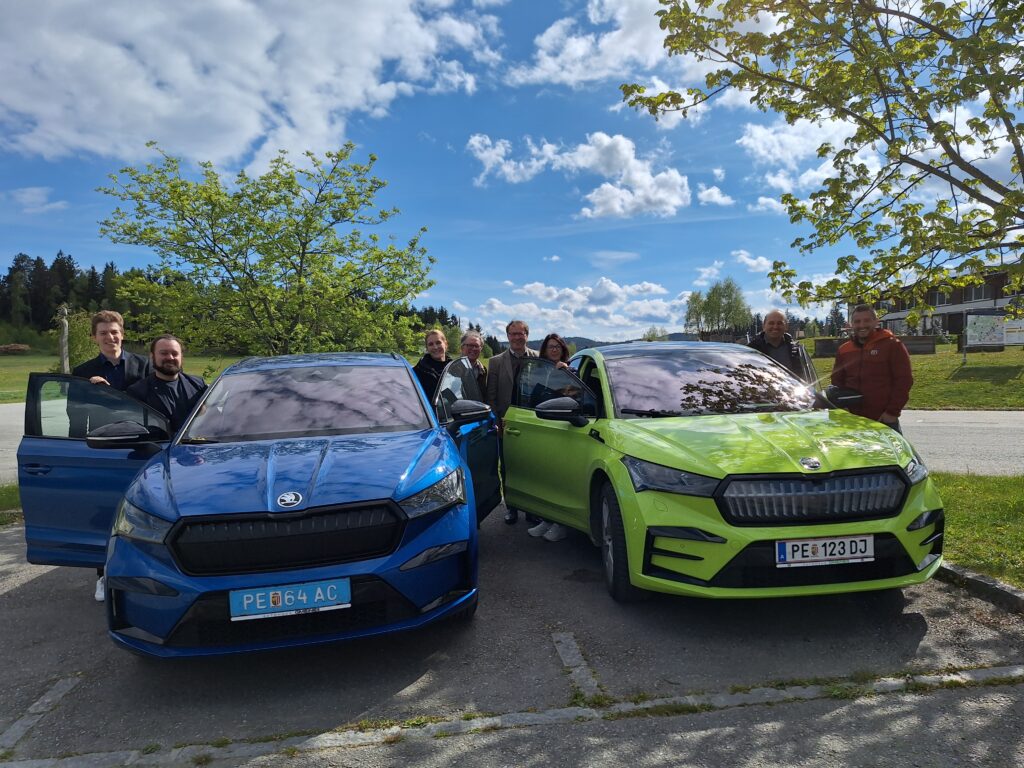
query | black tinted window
(305,402)
(691,382)
(539,380)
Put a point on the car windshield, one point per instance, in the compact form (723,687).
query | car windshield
(693,382)
(307,402)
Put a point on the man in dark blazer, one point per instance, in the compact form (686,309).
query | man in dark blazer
(113,367)
(501,375)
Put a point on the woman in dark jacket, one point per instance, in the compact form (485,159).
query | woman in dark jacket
(431,365)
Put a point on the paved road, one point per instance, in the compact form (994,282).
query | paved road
(980,442)
(543,676)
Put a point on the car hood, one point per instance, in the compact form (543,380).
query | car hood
(251,476)
(720,445)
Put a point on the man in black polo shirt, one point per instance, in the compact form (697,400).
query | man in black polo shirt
(168,389)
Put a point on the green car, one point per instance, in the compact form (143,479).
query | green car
(710,470)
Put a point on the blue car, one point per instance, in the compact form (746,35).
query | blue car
(307,499)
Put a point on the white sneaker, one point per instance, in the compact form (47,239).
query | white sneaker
(556,532)
(540,528)
(101,590)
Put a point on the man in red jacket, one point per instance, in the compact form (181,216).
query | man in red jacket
(876,364)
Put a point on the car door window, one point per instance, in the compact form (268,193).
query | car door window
(458,382)
(71,408)
(539,381)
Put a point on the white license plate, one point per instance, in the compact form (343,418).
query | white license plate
(290,599)
(831,551)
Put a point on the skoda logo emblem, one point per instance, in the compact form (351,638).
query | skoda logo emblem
(289,499)
(810,463)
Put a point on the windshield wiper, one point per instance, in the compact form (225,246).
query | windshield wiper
(654,413)
(196,440)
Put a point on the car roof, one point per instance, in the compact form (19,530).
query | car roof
(643,348)
(381,359)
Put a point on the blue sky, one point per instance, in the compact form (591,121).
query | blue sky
(498,126)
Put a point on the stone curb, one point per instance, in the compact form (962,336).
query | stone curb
(994,591)
(676,705)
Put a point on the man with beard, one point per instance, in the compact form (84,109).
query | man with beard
(168,389)
(876,364)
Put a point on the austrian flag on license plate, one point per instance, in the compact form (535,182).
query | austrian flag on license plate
(831,551)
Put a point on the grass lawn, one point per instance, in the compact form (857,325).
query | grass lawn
(14,371)
(984,522)
(988,381)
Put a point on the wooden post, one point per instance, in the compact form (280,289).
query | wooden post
(65,364)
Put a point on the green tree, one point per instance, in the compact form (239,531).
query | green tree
(723,308)
(654,333)
(927,185)
(695,312)
(270,264)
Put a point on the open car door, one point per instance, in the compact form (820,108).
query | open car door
(69,491)
(460,408)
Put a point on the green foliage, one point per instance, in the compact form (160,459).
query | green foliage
(927,185)
(272,264)
(654,333)
(81,346)
(720,310)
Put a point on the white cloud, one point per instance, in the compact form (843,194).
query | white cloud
(34,200)
(626,36)
(758,264)
(634,187)
(769,204)
(713,196)
(707,274)
(494,157)
(603,309)
(222,80)
(785,145)
(458,306)
(554,257)
(719,174)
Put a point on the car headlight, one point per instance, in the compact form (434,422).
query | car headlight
(654,477)
(444,493)
(133,523)
(916,471)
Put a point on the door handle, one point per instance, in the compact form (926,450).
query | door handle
(37,469)
(513,432)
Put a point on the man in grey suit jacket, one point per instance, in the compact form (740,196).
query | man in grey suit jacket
(501,375)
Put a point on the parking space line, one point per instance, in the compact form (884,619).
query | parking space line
(44,705)
(580,673)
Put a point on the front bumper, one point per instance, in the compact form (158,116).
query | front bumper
(682,545)
(155,608)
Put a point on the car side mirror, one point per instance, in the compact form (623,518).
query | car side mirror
(841,397)
(124,434)
(464,411)
(562,409)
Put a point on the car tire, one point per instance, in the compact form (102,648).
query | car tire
(613,550)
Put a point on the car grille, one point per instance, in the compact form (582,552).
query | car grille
(798,499)
(374,604)
(264,542)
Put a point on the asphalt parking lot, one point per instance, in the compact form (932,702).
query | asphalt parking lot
(546,637)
